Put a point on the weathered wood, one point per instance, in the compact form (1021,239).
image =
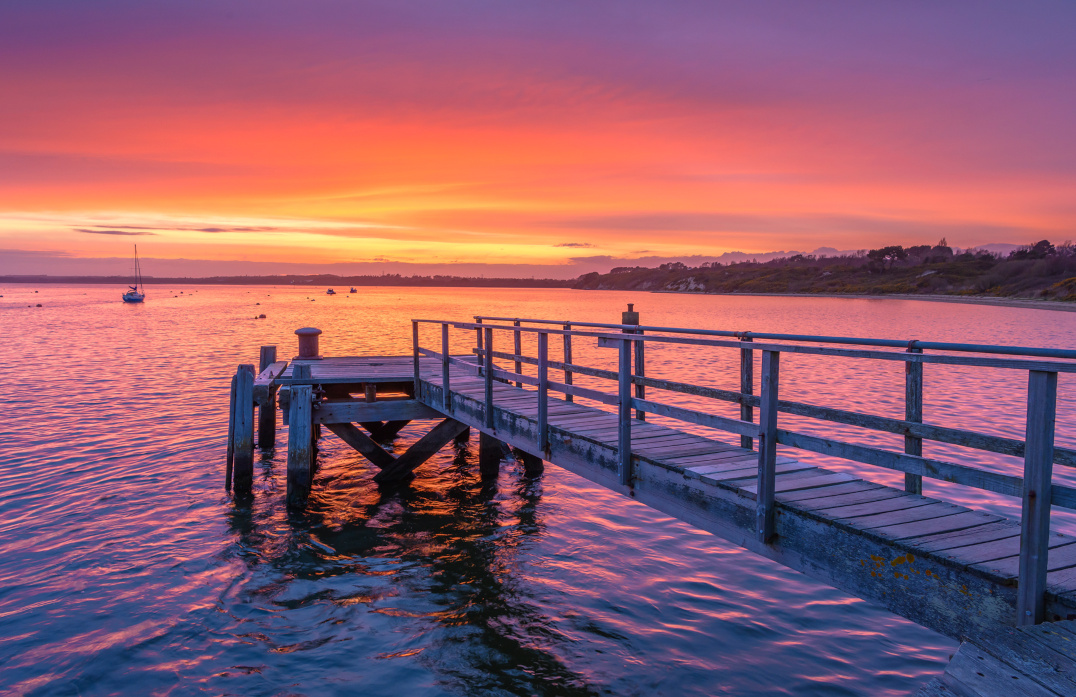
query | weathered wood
(1037,494)
(1033,659)
(567,359)
(974,671)
(533,465)
(446,401)
(489,378)
(376,412)
(640,371)
(363,443)
(697,417)
(767,447)
(747,386)
(518,346)
(243,430)
(624,409)
(231,438)
(490,453)
(913,411)
(543,392)
(463,436)
(480,347)
(421,451)
(415,356)
(388,430)
(265,401)
(300,445)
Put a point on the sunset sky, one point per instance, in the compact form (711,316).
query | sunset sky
(524,138)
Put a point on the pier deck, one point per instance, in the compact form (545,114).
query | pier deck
(966,573)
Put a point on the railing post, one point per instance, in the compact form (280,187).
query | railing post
(478,332)
(1035,516)
(624,428)
(913,411)
(632,317)
(543,393)
(568,360)
(414,349)
(489,378)
(747,386)
(518,346)
(767,445)
(446,396)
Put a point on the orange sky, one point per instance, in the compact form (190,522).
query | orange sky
(509,134)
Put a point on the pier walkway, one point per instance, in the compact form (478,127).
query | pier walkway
(965,573)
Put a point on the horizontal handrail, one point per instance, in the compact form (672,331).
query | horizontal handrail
(859,341)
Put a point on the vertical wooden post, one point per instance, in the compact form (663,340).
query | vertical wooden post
(489,455)
(767,446)
(489,378)
(243,434)
(1038,478)
(543,393)
(913,411)
(414,351)
(747,386)
(624,430)
(267,407)
(231,438)
(568,360)
(446,394)
(632,317)
(518,347)
(300,444)
(478,332)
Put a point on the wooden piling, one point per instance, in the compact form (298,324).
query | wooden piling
(243,430)
(489,455)
(1038,490)
(300,444)
(267,405)
(767,446)
(533,465)
(231,436)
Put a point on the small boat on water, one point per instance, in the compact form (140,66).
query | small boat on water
(353,290)
(330,292)
(137,292)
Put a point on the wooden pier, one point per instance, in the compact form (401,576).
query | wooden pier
(965,573)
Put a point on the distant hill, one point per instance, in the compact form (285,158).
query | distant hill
(1040,270)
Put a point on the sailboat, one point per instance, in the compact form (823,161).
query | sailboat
(137,292)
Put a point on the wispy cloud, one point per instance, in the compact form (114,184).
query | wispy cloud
(115,232)
(574,244)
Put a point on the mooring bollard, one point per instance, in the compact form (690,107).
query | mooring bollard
(308,344)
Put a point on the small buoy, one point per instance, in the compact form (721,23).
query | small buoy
(261,316)
(39,304)
(257,303)
(35,291)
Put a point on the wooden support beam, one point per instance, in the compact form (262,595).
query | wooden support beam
(300,444)
(913,411)
(747,386)
(767,447)
(421,451)
(490,453)
(358,440)
(267,402)
(389,429)
(371,415)
(243,430)
(1035,516)
(231,437)
(624,408)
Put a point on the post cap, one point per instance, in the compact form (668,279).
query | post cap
(308,331)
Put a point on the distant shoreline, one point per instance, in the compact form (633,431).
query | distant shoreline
(312,281)
(965,299)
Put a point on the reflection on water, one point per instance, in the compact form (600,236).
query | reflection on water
(126,569)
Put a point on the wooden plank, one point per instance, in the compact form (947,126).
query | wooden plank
(1060,557)
(735,477)
(877,507)
(721,423)
(1037,494)
(363,443)
(424,448)
(359,411)
(952,523)
(832,505)
(1054,636)
(931,511)
(974,671)
(300,445)
(936,688)
(795,484)
(1033,659)
(986,533)
(828,492)
(998,550)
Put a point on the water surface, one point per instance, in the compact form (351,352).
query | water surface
(125,568)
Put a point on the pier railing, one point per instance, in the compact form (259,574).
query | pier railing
(1035,488)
